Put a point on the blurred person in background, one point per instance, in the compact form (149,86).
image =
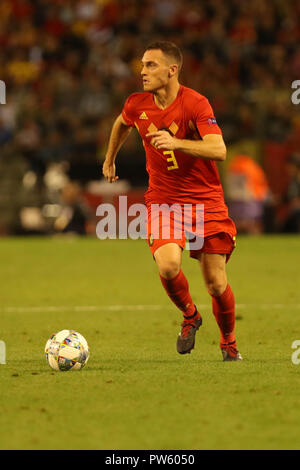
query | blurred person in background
(74,215)
(291,197)
(247,192)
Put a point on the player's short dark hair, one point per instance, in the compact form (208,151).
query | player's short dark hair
(168,48)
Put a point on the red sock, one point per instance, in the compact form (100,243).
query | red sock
(178,291)
(224,311)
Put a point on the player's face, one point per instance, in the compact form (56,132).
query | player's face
(155,70)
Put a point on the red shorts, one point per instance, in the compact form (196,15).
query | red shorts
(220,243)
(218,234)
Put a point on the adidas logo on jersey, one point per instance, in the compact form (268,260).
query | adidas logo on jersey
(143,115)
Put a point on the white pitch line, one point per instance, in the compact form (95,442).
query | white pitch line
(81,308)
(119,308)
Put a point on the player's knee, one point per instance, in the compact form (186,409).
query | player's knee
(169,269)
(216,285)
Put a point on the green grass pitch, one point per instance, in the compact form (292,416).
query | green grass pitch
(136,392)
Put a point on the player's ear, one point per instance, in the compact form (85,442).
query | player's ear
(173,70)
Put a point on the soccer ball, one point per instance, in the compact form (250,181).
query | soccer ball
(67,350)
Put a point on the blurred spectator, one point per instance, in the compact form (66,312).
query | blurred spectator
(5,133)
(74,214)
(292,195)
(247,191)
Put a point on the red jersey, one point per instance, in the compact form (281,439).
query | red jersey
(174,176)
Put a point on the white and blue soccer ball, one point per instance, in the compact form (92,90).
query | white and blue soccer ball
(67,350)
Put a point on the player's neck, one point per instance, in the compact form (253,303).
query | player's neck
(165,96)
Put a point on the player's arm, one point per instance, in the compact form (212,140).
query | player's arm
(119,133)
(211,146)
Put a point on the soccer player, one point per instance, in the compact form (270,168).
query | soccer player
(182,142)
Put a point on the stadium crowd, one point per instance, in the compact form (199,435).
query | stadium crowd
(69,65)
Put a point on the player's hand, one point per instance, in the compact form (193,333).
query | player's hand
(109,172)
(163,140)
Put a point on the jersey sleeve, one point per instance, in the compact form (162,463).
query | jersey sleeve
(204,118)
(128,111)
